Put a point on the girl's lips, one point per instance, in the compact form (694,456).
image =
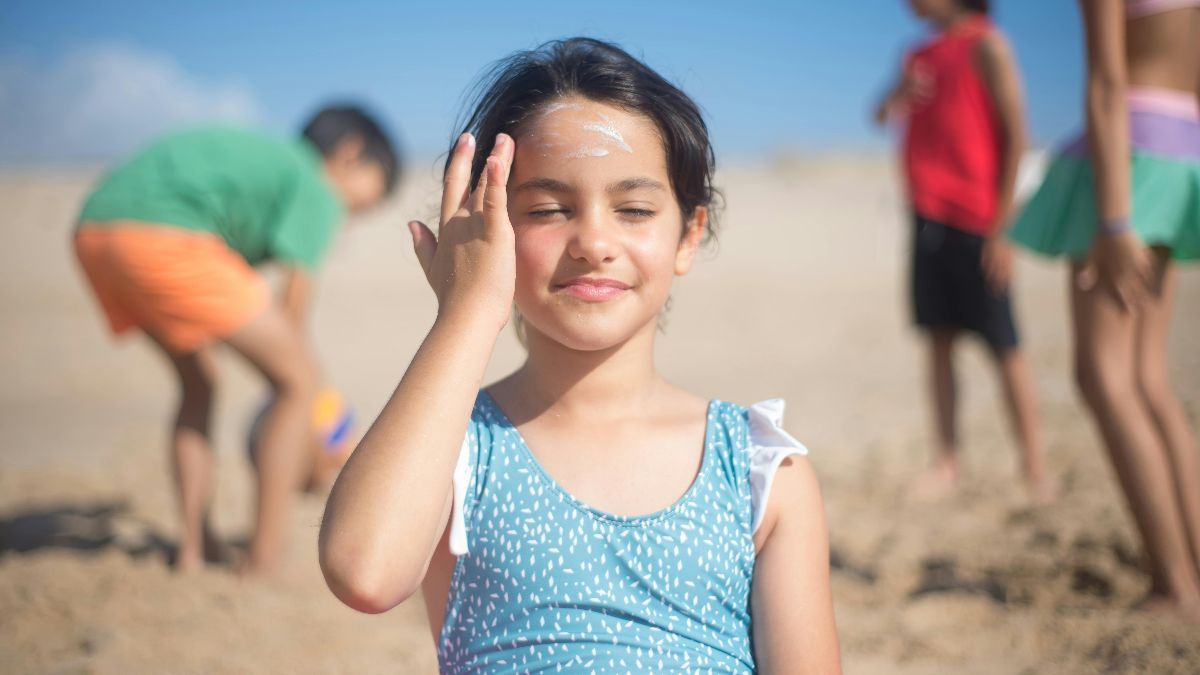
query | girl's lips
(593,289)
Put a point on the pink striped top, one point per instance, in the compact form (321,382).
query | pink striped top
(1138,8)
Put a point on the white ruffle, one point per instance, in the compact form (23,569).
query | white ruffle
(769,446)
(458,520)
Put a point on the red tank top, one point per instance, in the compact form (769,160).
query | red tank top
(953,145)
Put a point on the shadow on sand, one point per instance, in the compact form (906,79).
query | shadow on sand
(86,527)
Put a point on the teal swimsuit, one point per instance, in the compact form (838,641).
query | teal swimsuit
(548,583)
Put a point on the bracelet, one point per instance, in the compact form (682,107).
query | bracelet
(1114,226)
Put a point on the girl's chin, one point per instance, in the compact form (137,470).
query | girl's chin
(589,334)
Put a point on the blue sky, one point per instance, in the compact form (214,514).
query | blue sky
(89,80)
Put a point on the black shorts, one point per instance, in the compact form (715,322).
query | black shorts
(949,289)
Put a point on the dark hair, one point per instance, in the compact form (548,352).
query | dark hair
(333,124)
(980,6)
(519,85)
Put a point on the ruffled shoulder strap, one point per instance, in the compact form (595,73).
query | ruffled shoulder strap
(769,446)
(462,479)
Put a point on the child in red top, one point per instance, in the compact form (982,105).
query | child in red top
(959,94)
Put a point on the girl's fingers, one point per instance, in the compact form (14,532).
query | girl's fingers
(502,151)
(495,196)
(475,202)
(1086,279)
(424,244)
(458,176)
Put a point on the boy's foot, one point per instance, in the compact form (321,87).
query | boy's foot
(189,560)
(937,481)
(259,566)
(1168,606)
(1043,489)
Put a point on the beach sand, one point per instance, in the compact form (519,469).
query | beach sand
(803,298)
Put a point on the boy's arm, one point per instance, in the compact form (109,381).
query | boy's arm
(998,66)
(297,295)
(791,601)
(886,106)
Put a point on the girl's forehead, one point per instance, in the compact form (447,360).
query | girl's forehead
(588,139)
(581,128)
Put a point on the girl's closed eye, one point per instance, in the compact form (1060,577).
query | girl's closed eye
(543,213)
(637,213)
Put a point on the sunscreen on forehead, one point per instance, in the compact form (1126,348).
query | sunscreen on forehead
(605,134)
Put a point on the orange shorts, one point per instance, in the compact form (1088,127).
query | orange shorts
(184,288)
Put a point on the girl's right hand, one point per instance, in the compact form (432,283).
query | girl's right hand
(1123,267)
(471,263)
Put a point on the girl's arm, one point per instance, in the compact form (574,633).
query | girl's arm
(1107,112)
(389,507)
(998,66)
(1120,261)
(791,601)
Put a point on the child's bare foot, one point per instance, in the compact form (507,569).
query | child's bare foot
(1043,488)
(937,481)
(187,562)
(260,565)
(190,558)
(1169,606)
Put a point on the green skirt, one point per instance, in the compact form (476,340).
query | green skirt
(1060,218)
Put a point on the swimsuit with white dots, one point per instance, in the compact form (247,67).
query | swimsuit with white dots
(544,582)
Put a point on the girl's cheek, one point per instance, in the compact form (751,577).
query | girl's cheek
(655,251)
(537,249)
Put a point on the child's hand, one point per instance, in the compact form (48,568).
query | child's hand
(1122,266)
(471,264)
(997,262)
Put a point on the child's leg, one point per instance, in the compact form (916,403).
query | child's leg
(1020,395)
(1165,409)
(275,347)
(191,455)
(1105,368)
(943,472)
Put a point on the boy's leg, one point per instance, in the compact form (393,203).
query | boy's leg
(1021,398)
(192,463)
(931,288)
(942,474)
(273,344)
(1105,341)
(1165,409)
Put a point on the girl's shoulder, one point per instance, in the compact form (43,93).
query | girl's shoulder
(756,444)
(758,425)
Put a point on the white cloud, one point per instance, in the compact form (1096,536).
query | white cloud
(105,101)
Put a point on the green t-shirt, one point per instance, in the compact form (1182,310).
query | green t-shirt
(267,198)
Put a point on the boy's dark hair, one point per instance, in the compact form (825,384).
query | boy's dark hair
(332,124)
(980,6)
(518,86)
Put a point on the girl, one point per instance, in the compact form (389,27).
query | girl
(583,512)
(964,134)
(1121,202)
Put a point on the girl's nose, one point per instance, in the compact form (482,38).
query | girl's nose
(594,238)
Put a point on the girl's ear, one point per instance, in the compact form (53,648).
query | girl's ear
(690,243)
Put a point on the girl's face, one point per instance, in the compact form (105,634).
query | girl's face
(599,235)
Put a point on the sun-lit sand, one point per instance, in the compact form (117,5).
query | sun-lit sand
(802,298)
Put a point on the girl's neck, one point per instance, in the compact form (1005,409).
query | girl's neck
(604,384)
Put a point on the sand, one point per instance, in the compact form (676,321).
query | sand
(803,298)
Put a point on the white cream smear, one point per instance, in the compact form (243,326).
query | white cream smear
(608,135)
